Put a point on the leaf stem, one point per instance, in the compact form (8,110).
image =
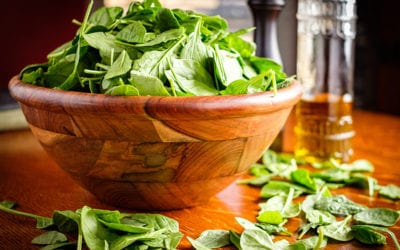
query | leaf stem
(69,82)
(20,213)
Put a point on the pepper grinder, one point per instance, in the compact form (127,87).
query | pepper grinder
(265,17)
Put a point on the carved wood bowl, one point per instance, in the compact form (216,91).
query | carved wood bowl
(151,152)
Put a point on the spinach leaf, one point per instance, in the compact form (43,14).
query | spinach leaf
(49,237)
(282,204)
(66,221)
(273,229)
(155,62)
(124,90)
(147,84)
(226,66)
(213,239)
(120,67)
(302,177)
(41,222)
(105,17)
(360,165)
(234,238)
(246,49)
(338,230)
(124,241)
(339,205)
(95,234)
(197,244)
(73,79)
(195,49)
(274,188)
(133,33)
(159,39)
(377,216)
(390,191)
(105,44)
(256,239)
(191,77)
(312,241)
(367,235)
(167,20)
(125,227)
(271,217)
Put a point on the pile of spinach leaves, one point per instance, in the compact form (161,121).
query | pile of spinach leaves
(325,217)
(102,229)
(151,50)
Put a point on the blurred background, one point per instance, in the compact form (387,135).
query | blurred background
(32,29)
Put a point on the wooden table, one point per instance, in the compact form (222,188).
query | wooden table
(30,178)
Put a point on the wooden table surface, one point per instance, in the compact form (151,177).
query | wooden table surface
(30,178)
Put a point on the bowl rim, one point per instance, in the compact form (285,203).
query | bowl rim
(171,107)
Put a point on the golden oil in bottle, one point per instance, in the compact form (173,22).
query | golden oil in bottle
(325,67)
(324,128)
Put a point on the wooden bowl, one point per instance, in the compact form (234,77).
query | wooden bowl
(152,152)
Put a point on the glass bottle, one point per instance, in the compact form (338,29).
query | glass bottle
(325,65)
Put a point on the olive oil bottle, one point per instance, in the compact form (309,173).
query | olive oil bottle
(325,64)
(324,128)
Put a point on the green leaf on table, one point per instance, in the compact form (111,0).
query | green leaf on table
(126,240)
(157,221)
(271,217)
(95,233)
(281,203)
(339,205)
(41,222)
(335,175)
(66,221)
(212,239)
(125,227)
(368,235)
(255,239)
(234,238)
(273,229)
(274,188)
(312,241)
(390,191)
(302,177)
(360,165)
(378,216)
(197,244)
(259,180)
(49,237)
(246,224)
(338,230)
(7,204)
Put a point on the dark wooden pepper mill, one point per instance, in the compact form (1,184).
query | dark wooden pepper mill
(265,17)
